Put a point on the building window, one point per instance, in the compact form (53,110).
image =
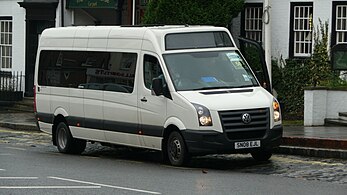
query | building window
(301,29)
(339,23)
(5,43)
(341,20)
(252,21)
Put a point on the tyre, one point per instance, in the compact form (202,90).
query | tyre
(66,143)
(261,155)
(176,150)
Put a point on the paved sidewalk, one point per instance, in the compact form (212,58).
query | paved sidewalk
(322,141)
(319,141)
(331,137)
(18,121)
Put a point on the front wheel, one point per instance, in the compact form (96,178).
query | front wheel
(261,155)
(66,143)
(177,150)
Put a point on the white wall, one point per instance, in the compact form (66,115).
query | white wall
(280,19)
(12,8)
(323,104)
(315,106)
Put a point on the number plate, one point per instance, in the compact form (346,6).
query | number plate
(247,144)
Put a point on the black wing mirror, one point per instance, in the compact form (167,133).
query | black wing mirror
(157,86)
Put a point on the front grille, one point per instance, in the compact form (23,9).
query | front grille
(236,129)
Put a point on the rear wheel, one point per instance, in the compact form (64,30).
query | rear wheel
(262,155)
(66,143)
(176,149)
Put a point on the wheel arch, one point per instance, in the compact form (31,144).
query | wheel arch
(167,130)
(57,119)
(175,122)
(60,115)
(171,124)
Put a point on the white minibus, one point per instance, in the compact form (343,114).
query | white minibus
(181,90)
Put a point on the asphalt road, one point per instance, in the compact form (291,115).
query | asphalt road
(29,164)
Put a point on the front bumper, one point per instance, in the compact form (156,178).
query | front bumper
(211,142)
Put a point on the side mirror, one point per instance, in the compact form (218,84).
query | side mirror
(157,86)
(261,79)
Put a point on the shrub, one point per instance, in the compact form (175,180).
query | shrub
(216,12)
(291,80)
(319,64)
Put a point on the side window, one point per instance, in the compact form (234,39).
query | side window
(72,72)
(50,68)
(62,68)
(151,70)
(119,72)
(110,71)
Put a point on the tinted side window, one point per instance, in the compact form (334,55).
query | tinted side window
(151,70)
(49,68)
(111,71)
(115,73)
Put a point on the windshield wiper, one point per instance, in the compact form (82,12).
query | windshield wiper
(219,87)
(224,87)
(244,86)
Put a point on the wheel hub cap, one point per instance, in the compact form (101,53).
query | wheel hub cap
(175,149)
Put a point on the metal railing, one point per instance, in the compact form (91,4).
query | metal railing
(11,86)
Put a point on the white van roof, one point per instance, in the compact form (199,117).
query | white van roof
(108,37)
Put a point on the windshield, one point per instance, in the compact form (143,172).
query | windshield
(208,70)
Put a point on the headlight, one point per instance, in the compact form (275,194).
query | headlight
(204,116)
(276,109)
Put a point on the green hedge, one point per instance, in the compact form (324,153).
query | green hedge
(289,83)
(192,12)
(291,80)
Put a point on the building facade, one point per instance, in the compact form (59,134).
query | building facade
(22,22)
(292,24)
(12,36)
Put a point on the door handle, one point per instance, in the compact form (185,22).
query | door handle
(144,99)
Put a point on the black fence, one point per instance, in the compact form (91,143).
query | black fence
(11,86)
